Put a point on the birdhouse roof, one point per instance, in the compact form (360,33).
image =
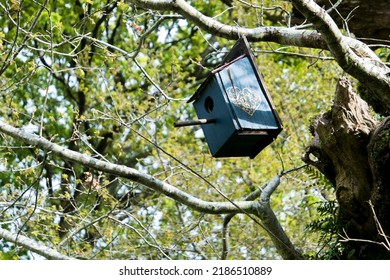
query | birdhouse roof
(240,49)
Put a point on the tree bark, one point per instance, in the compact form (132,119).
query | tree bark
(358,61)
(353,151)
(368,20)
(379,161)
(32,245)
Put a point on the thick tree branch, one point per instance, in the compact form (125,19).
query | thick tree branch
(356,59)
(261,209)
(130,173)
(353,56)
(270,222)
(32,245)
(226,220)
(281,35)
(293,36)
(268,217)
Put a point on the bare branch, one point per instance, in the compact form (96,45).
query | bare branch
(269,222)
(353,56)
(346,238)
(379,226)
(385,244)
(281,35)
(262,209)
(140,234)
(226,220)
(225,236)
(269,219)
(130,173)
(8,60)
(32,245)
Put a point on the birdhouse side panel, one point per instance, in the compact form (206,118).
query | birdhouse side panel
(246,96)
(211,104)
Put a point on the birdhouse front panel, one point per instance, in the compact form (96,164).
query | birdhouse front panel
(234,107)
(251,109)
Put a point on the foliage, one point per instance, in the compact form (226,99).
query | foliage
(108,79)
(326,223)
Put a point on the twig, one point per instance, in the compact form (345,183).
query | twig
(346,238)
(140,235)
(278,51)
(379,226)
(7,62)
(293,169)
(381,232)
(127,54)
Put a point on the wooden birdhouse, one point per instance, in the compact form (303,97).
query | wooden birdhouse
(234,108)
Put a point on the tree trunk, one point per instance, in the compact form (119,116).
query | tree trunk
(353,151)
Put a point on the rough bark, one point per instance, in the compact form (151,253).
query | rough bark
(379,161)
(353,151)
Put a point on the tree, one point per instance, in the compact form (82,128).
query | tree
(93,168)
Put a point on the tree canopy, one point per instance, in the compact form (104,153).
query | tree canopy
(92,166)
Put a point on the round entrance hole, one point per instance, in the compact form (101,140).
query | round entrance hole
(209,104)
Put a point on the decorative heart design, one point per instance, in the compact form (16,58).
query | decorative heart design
(246,99)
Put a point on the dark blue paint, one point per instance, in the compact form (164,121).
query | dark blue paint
(245,118)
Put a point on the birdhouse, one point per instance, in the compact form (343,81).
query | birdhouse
(234,108)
